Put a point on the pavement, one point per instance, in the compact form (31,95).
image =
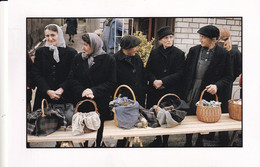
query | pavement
(174,141)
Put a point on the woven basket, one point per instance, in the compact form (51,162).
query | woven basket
(235,110)
(115,119)
(208,114)
(86,130)
(169,94)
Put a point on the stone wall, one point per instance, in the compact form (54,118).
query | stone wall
(186,29)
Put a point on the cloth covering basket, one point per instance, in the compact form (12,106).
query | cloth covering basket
(92,119)
(208,114)
(172,116)
(131,107)
(235,110)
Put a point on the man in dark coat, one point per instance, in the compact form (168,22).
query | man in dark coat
(208,66)
(164,72)
(130,68)
(130,72)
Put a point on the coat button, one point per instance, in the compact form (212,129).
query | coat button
(134,70)
(164,70)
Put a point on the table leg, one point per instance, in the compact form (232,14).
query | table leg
(234,135)
(131,142)
(140,142)
(81,145)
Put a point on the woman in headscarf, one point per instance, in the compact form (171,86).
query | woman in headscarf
(164,72)
(51,68)
(208,66)
(93,76)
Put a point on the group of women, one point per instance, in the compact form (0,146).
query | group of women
(62,75)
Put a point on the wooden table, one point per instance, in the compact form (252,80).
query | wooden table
(189,125)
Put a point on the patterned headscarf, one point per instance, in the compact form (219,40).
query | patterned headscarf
(61,43)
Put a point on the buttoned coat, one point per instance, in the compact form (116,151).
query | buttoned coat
(50,75)
(166,65)
(131,73)
(219,73)
(100,78)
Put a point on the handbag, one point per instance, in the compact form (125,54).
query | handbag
(126,111)
(67,109)
(169,116)
(44,121)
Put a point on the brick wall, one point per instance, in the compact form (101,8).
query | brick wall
(186,29)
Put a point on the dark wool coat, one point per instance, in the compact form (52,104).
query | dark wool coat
(100,78)
(131,74)
(236,60)
(166,65)
(50,75)
(72,25)
(219,73)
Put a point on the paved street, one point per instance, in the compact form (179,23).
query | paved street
(174,141)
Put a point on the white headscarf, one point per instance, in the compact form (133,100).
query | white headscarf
(61,43)
(96,45)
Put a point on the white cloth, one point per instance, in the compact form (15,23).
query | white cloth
(91,120)
(61,43)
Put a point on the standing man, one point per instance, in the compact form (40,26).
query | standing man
(130,71)
(208,66)
(112,32)
(164,72)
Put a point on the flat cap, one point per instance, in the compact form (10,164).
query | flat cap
(129,41)
(209,31)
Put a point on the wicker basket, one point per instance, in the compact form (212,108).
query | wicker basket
(86,130)
(169,94)
(235,110)
(115,119)
(208,114)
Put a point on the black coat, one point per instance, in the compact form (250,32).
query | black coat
(219,73)
(166,65)
(131,73)
(72,25)
(100,78)
(236,61)
(50,75)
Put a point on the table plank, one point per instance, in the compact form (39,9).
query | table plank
(189,125)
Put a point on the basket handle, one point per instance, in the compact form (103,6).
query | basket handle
(127,88)
(79,103)
(42,107)
(169,94)
(202,93)
(235,93)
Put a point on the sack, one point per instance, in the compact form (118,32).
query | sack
(126,111)
(169,116)
(67,109)
(44,121)
(85,122)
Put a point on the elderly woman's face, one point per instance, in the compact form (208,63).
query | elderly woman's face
(205,41)
(167,41)
(86,48)
(51,37)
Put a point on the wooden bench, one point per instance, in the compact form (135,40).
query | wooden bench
(189,125)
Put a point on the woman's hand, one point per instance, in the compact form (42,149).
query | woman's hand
(59,91)
(212,89)
(52,94)
(157,84)
(88,93)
